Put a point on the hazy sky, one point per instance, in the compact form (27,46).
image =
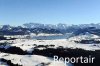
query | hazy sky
(17,12)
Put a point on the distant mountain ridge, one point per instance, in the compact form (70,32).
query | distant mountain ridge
(59,25)
(50,29)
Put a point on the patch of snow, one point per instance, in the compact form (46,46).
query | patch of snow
(31,60)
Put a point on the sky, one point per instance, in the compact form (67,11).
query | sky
(18,12)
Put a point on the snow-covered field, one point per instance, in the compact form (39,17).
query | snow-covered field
(38,60)
(30,60)
(27,44)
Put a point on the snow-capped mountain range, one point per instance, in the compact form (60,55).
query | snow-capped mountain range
(50,28)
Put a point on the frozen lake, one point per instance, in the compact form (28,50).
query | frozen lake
(52,37)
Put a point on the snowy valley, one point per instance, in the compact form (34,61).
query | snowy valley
(37,45)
